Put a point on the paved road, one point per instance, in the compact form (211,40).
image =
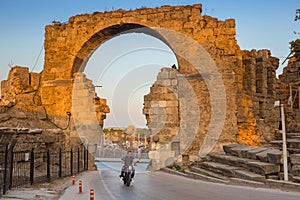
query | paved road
(163,186)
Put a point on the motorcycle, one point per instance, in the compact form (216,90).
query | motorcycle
(127,175)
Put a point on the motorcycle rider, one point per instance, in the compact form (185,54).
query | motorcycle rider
(128,160)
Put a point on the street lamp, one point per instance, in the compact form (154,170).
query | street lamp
(284,149)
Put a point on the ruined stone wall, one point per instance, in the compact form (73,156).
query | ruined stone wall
(258,120)
(20,100)
(161,107)
(176,98)
(255,116)
(19,81)
(290,82)
(21,107)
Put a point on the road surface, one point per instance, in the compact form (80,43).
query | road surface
(164,186)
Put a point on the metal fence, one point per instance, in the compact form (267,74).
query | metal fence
(116,153)
(19,168)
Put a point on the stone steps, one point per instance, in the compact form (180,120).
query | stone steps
(256,166)
(296,179)
(263,168)
(295,167)
(293,150)
(223,169)
(229,160)
(293,147)
(239,150)
(271,155)
(291,143)
(293,134)
(207,173)
(295,159)
(278,135)
(244,174)
(294,137)
(263,156)
(252,153)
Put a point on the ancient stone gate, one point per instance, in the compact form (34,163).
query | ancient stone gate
(68,47)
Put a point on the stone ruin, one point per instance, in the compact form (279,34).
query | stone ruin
(21,109)
(242,103)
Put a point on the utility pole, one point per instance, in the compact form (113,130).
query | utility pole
(284,148)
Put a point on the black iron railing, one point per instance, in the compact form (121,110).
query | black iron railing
(19,168)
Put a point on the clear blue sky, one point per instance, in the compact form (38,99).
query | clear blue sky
(260,24)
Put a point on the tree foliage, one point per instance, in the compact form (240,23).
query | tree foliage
(295,48)
(295,45)
(297,15)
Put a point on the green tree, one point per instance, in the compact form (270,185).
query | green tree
(294,50)
(294,45)
(297,15)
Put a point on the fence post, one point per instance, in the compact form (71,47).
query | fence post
(11,166)
(83,158)
(78,160)
(71,162)
(32,166)
(87,159)
(5,169)
(60,164)
(48,166)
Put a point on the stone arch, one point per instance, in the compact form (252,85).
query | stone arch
(68,47)
(105,34)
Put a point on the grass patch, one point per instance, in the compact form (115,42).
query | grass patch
(178,168)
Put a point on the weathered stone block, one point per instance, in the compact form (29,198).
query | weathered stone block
(296,170)
(18,115)
(238,150)
(162,103)
(263,168)
(173,74)
(263,156)
(229,160)
(171,103)
(163,75)
(165,83)
(172,110)
(295,159)
(294,143)
(244,151)
(252,153)
(243,174)
(220,168)
(227,148)
(275,157)
(174,82)
(4,117)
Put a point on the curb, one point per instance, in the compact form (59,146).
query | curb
(269,183)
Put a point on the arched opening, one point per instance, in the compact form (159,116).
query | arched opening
(121,67)
(126,67)
(100,37)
